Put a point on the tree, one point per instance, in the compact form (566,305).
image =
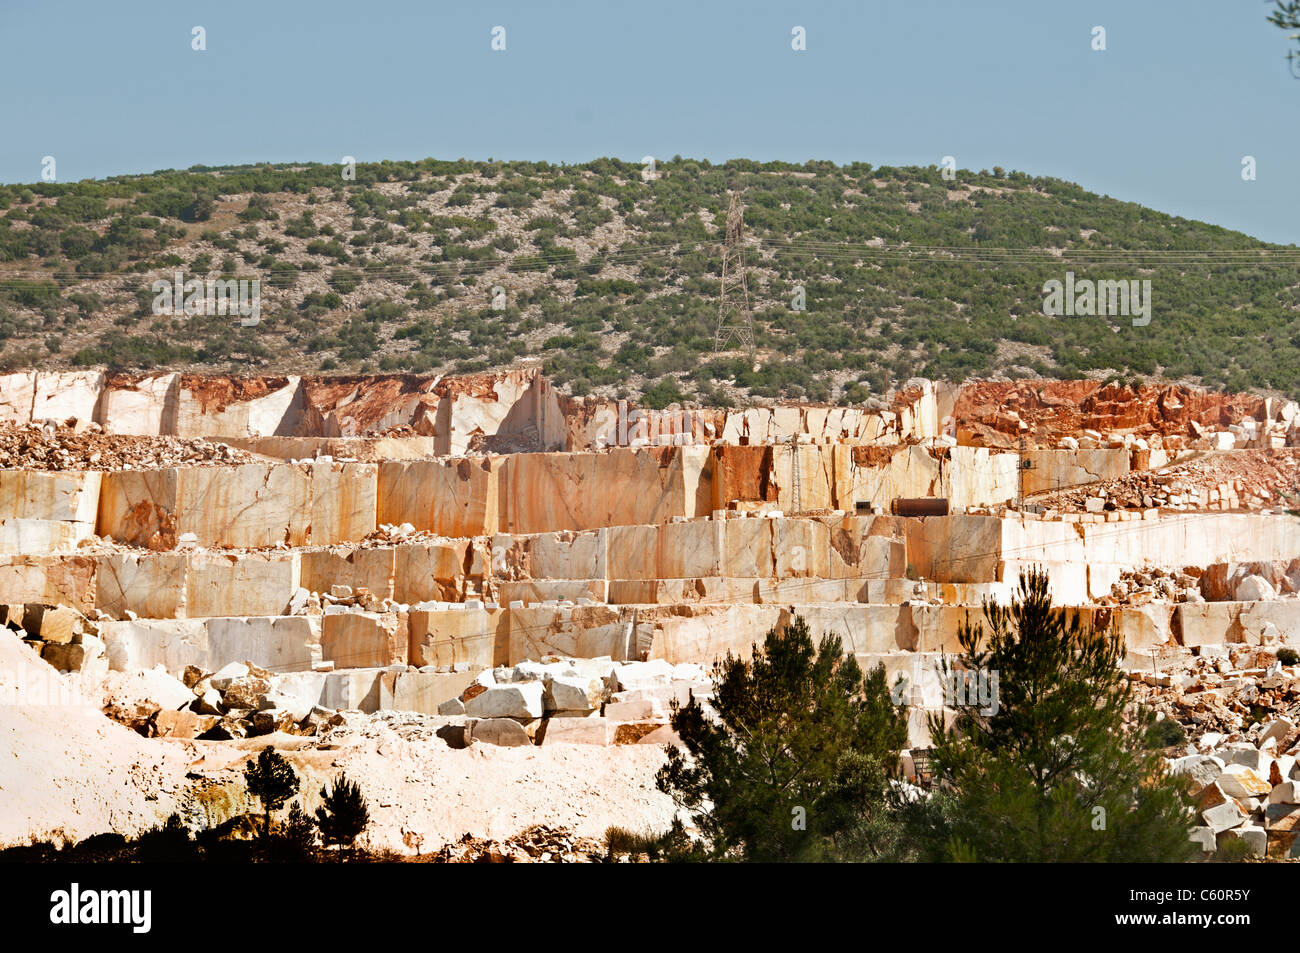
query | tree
(272,781)
(797,761)
(1058,764)
(1286,16)
(199,210)
(343,814)
(298,834)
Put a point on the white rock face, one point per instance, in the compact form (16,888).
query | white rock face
(146,408)
(68,394)
(515,700)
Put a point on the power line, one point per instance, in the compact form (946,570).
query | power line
(831,251)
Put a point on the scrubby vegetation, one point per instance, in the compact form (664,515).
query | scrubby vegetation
(241,838)
(611,281)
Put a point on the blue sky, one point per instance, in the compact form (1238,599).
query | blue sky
(1163,116)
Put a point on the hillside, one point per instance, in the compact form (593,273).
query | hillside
(611,280)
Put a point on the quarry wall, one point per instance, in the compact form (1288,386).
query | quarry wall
(327,501)
(623,532)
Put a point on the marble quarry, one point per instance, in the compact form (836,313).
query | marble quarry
(398,536)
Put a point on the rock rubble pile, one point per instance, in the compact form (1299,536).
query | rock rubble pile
(74,444)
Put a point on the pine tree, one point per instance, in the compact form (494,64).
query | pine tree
(298,833)
(272,781)
(343,815)
(797,762)
(1058,766)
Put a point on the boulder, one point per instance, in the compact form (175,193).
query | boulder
(304,688)
(663,735)
(1278,729)
(223,676)
(634,675)
(317,718)
(1224,816)
(1239,781)
(85,656)
(273,719)
(452,706)
(524,672)
(207,703)
(1201,769)
(297,707)
(1288,792)
(1204,836)
(1254,836)
(1246,755)
(166,723)
(576,731)
(61,624)
(156,685)
(1281,768)
(637,709)
(245,692)
(522,700)
(505,732)
(574,693)
(229,728)
(1254,589)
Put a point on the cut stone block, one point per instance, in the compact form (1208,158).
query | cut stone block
(152,585)
(248,584)
(364,639)
(576,731)
(343,502)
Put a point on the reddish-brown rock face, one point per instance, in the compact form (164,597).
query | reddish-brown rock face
(988,411)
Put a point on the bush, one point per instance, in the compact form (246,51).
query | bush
(673,845)
(344,280)
(1166,733)
(169,843)
(1288,656)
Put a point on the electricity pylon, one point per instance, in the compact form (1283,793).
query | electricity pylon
(739,326)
